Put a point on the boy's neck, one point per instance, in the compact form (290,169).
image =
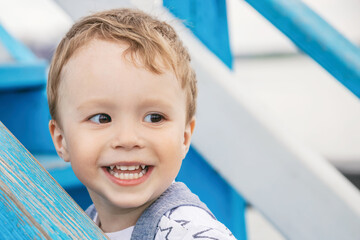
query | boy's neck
(113,219)
(113,222)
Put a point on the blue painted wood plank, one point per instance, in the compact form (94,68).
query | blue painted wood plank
(208,21)
(18,76)
(26,115)
(315,37)
(222,199)
(32,203)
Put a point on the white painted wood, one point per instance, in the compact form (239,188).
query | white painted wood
(258,228)
(307,103)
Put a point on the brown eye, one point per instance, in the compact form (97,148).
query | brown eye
(153,118)
(100,118)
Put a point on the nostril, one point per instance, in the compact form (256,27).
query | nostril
(126,135)
(126,143)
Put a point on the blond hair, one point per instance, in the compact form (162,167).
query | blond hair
(148,39)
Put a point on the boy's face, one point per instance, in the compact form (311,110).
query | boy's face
(115,115)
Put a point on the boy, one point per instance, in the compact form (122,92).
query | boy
(122,96)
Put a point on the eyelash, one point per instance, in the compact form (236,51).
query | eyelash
(97,118)
(151,116)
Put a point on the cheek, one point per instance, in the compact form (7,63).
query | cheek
(83,159)
(82,150)
(171,148)
(173,137)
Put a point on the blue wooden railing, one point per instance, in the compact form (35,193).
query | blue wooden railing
(32,204)
(315,37)
(208,21)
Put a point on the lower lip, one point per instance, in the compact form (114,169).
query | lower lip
(128,182)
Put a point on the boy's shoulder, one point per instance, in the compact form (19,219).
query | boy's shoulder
(191,222)
(177,214)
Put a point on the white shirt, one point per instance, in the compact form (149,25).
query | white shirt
(124,234)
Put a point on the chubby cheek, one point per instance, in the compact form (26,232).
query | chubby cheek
(172,154)
(83,157)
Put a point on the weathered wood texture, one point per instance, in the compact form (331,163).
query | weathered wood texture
(32,203)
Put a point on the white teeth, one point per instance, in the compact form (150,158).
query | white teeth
(127,176)
(127,168)
(131,168)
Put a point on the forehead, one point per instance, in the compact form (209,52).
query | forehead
(122,52)
(102,65)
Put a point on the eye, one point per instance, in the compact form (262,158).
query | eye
(100,118)
(153,118)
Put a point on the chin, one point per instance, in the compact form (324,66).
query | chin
(129,203)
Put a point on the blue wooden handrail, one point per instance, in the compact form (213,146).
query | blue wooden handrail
(32,203)
(22,76)
(315,37)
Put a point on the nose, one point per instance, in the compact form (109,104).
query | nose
(126,136)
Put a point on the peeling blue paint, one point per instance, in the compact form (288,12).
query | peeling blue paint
(33,203)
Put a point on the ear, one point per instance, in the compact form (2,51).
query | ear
(189,129)
(57,136)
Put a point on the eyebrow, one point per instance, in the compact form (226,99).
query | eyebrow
(95,103)
(155,101)
(110,105)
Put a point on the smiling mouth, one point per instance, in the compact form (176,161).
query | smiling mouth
(128,172)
